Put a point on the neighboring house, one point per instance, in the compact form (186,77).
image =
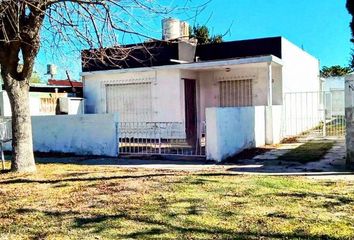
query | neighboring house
(176,81)
(48,100)
(333,83)
(65,83)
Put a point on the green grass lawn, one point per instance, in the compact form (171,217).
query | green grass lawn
(79,202)
(308,152)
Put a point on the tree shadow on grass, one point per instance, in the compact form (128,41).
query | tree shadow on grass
(46,212)
(52,181)
(338,199)
(155,228)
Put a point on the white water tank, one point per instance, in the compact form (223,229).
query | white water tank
(171,29)
(184,30)
(51,69)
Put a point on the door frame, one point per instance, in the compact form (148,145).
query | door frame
(191,138)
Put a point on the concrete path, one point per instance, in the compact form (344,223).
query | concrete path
(277,152)
(332,166)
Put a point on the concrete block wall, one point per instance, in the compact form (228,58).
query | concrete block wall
(94,134)
(349,117)
(231,130)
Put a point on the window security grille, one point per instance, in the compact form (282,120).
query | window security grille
(132,101)
(235,93)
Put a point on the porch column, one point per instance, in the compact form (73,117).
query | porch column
(268,108)
(270,85)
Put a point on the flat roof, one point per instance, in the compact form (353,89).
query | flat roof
(196,65)
(159,53)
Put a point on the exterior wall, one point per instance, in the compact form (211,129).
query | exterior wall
(301,85)
(77,134)
(300,69)
(209,88)
(277,111)
(94,92)
(208,93)
(349,117)
(231,130)
(75,105)
(334,102)
(167,96)
(277,72)
(333,83)
(166,90)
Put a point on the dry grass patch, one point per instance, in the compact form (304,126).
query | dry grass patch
(81,202)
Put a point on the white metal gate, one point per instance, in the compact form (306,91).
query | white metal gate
(318,114)
(159,138)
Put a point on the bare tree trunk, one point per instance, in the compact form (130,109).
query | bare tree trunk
(22,146)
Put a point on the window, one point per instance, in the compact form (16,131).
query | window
(131,100)
(235,93)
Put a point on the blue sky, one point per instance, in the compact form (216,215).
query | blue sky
(321,27)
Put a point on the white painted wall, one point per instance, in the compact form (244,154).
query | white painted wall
(333,83)
(94,89)
(302,108)
(300,69)
(209,88)
(75,105)
(166,89)
(277,72)
(167,96)
(93,134)
(335,103)
(231,130)
(334,88)
(277,116)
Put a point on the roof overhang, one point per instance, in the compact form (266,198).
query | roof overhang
(196,65)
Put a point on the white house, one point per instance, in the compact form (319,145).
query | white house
(177,81)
